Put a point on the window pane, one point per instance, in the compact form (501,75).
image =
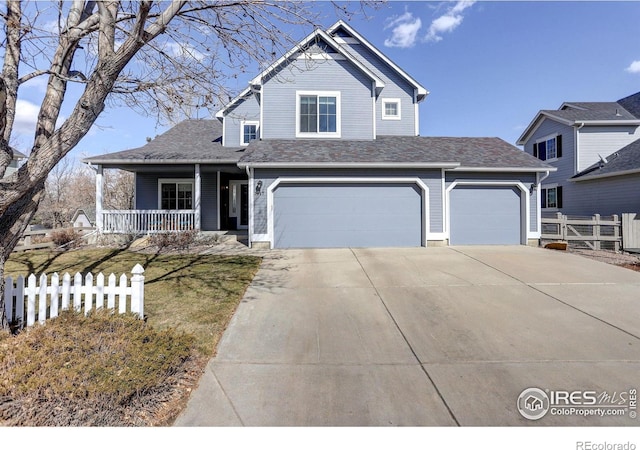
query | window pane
(551,198)
(391,109)
(250,133)
(168,196)
(551,148)
(542,150)
(185,195)
(328,108)
(308,114)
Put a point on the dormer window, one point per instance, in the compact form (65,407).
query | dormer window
(391,109)
(318,114)
(249,132)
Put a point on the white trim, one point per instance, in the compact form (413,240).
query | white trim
(250,199)
(416,113)
(354,165)
(99,195)
(243,123)
(525,206)
(345,40)
(352,180)
(261,110)
(373,101)
(318,134)
(443,187)
(259,237)
(175,181)
(398,103)
(504,169)
(197,196)
(422,92)
(605,175)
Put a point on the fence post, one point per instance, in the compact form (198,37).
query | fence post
(616,232)
(137,290)
(596,232)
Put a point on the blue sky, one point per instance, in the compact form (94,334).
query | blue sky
(489,65)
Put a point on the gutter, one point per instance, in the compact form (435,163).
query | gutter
(605,175)
(160,161)
(352,165)
(505,169)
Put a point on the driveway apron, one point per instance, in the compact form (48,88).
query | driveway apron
(421,337)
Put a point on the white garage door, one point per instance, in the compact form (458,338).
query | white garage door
(485,215)
(347,215)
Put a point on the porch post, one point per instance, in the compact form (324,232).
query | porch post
(99,190)
(196,194)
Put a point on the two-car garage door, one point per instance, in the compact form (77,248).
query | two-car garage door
(347,215)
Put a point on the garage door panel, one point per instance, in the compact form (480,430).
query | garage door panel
(347,215)
(485,215)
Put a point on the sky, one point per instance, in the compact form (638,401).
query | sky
(489,66)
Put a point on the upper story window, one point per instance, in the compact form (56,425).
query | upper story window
(249,131)
(175,194)
(318,114)
(391,109)
(548,148)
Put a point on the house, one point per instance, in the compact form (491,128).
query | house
(84,218)
(595,147)
(15,162)
(322,149)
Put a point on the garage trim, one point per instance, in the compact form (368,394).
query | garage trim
(524,203)
(353,180)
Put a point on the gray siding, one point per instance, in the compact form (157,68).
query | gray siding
(603,141)
(605,196)
(246,109)
(526,178)
(432,178)
(279,97)
(395,87)
(11,168)
(147,194)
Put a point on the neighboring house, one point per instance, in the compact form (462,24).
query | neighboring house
(15,162)
(322,150)
(595,147)
(84,218)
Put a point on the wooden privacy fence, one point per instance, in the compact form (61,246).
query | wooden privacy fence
(40,300)
(594,232)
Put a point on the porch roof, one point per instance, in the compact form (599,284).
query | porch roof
(471,153)
(196,141)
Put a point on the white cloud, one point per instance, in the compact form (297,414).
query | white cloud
(634,67)
(404,30)
(183,50)
(447,22)
(26,117)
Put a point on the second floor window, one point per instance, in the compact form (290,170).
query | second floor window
(391,109)
(249,132)
(318,114)
(548,148)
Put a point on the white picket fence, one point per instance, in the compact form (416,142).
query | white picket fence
(42,300)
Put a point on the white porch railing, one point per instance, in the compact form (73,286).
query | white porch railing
(147,221)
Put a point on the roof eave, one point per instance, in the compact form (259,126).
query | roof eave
(127,162)
(504,169)
(535,123)
(348,165)
(606,175)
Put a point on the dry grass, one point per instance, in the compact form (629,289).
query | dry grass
(111,370)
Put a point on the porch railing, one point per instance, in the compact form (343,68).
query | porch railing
(147,221)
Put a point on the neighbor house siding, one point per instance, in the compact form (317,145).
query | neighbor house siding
(279,97)
(395,87)
(604,196)
(246,109)
(603,141)
(431,178)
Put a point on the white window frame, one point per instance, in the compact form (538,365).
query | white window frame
(545,139)
(318,134)
(176,181)
(544,190)
(386,101)
(242,125)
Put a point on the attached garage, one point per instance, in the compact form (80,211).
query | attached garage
(485,215)
(358,214)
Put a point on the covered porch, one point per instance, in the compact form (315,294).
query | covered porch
(200,197)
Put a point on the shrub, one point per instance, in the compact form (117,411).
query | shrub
(180,240)
(66,237)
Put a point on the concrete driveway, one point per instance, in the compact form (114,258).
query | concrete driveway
(420,337)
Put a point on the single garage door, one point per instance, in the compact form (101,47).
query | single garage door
(347,215)
(485,215)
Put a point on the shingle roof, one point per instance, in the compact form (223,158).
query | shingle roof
(190,141)
(627,159)
(631,104)
(471,152)
(593,111)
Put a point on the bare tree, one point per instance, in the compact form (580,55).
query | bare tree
(162,58)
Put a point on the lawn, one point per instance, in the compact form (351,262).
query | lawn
(196,294)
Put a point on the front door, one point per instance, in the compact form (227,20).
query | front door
(239,202)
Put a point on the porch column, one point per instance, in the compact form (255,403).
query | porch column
(196,194)
(99,190)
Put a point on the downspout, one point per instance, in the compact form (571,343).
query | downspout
(251,199)
(575,150)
